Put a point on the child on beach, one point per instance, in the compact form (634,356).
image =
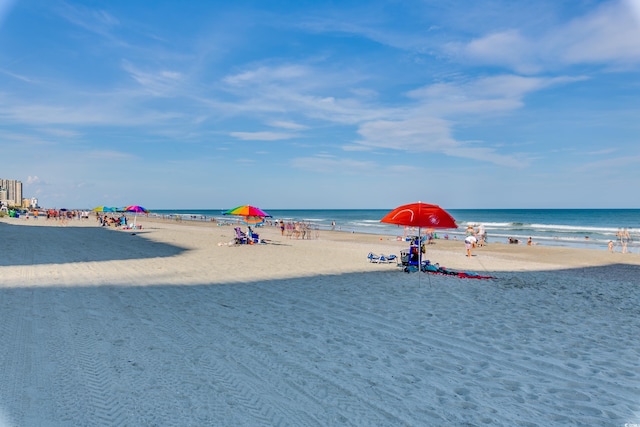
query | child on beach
(610,245)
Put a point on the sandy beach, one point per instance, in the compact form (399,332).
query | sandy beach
(171,326)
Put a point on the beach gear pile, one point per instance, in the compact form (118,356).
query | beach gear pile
(427,267)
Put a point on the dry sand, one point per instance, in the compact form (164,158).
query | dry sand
(169,326)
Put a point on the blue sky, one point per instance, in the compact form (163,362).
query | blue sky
(322,104)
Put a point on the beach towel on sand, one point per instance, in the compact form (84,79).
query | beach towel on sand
(436,269)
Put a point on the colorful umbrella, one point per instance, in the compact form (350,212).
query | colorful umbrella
(420,215)
(136,210)
(247,211)
(103,209)
(253,220)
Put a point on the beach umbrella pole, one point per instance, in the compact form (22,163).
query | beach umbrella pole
(419,254)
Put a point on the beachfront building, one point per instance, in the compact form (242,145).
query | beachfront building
(11,192)
(29,203)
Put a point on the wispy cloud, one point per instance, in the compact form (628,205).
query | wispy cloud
(428,134)
(287,125)
(332,164)
(157,82)
(613,164)
(93,20)
(265,75)
(111,109)
(65,133)
(484,95)
(17,76)
(262,136)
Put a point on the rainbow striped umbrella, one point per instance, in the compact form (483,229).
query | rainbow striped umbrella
(247,211)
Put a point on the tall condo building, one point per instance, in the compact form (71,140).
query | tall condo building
(11,192)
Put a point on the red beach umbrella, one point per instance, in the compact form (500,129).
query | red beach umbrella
(421,215)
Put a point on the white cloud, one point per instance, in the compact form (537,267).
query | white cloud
(608,34)
(419,134)
(287,125)
(262,136)
(331,164)
(33,180)
(504,48)
(263,75)
(428,134)
(484,95)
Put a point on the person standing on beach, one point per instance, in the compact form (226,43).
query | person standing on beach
(611,246)
(481,235)
(625,240)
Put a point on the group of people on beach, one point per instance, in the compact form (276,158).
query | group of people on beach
(298,230)
(624,238)
(108,221)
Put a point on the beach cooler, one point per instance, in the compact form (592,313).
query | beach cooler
(410,256)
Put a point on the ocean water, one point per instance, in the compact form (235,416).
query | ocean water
(592,228)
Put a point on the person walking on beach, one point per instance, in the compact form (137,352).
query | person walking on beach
(469,241)
(611,246)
